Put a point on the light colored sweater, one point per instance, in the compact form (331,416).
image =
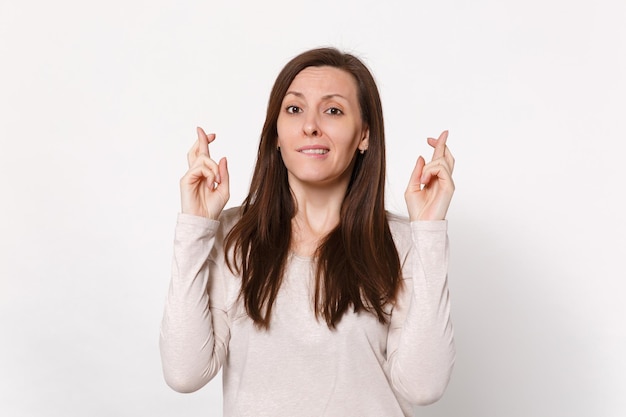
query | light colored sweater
(299,367)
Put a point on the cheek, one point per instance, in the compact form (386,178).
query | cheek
(347,138)
(284,130)
(279,133)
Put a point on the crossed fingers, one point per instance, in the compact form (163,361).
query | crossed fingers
(199,155)
(441,150)
(442,162)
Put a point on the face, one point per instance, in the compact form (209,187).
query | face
(319,127)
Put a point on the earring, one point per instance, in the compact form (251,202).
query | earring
(362,151)
(278,148)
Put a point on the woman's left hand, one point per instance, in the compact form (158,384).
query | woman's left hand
(431,201)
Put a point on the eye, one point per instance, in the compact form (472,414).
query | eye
(293,109)
(334,111)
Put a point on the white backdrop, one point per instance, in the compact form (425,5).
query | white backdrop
(99,102)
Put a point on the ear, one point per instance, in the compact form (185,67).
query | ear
(365,140)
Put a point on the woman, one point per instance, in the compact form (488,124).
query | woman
(310,297)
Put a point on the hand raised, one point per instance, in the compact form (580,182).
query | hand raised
(430,188)
(204,189)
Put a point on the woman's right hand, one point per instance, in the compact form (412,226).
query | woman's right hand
(204,189)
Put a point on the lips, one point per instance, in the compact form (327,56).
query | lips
(313,150)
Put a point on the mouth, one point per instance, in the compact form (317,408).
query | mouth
(314,150)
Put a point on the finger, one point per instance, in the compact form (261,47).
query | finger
(449,158)
(203,170)
(437,169)
(203,141)
(210,164)
(224,177)
(439,144)
(416,175)
(192,154)
(200,146)
(198,174)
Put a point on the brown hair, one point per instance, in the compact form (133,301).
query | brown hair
(357,262)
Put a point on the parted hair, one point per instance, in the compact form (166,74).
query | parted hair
(357,264)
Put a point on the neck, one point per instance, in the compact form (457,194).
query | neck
(318,212)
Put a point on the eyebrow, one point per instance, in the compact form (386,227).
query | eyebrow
(326,97)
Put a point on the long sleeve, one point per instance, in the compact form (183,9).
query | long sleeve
(195,329)
(420,346)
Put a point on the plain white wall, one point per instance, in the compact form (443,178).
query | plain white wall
(99,102)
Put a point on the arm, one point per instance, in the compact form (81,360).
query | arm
(420,347)
(195,329)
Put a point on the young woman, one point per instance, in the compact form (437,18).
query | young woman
(310,297)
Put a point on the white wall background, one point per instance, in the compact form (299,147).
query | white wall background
(98,105)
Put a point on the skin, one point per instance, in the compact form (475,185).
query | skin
(204,189)
(431,187)
(320,111)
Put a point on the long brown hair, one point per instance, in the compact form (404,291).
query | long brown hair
(357,262)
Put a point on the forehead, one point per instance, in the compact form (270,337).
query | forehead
(324,80)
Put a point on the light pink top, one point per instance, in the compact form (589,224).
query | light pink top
(300,367)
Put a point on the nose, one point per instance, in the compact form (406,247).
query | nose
(311,126)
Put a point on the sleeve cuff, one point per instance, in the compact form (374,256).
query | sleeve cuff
(191,226)
(430,225)
(192,220)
